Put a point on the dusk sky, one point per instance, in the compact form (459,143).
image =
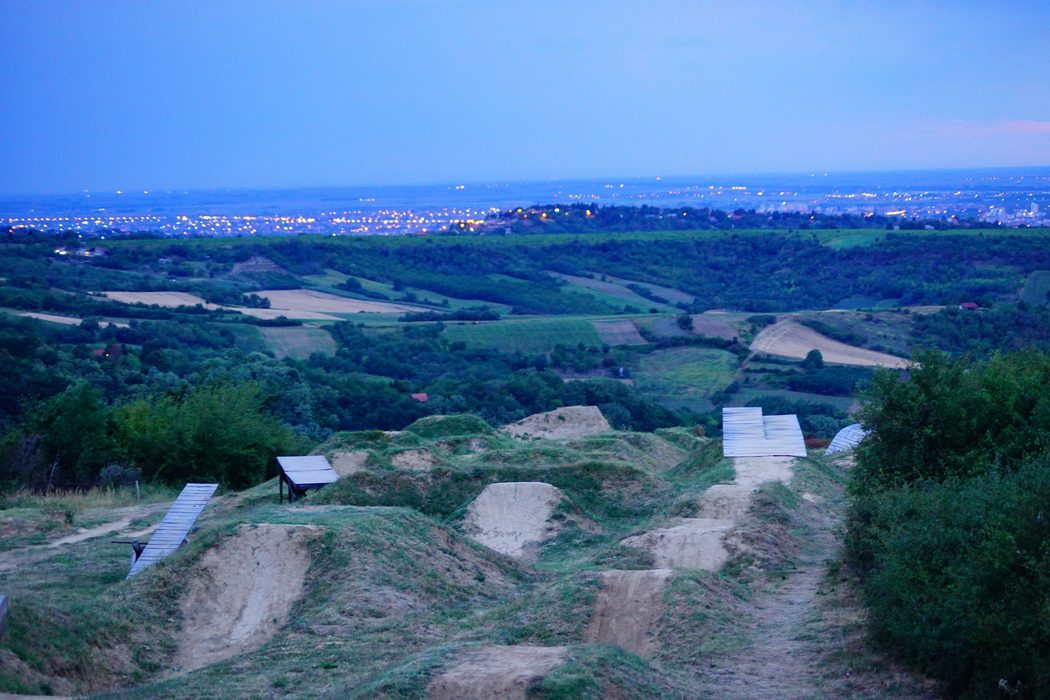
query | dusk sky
(153,95)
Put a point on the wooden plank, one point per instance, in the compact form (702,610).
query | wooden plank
(176,524)
(747,433)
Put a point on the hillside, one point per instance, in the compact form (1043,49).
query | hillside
(455,560)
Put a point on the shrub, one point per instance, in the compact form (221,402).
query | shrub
(958,579)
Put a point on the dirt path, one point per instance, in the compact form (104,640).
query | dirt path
(779,662)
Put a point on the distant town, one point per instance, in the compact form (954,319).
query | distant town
(1011,198)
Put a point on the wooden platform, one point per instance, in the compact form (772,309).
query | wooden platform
(846,439)
(304,473)
(747,433)
(176,524)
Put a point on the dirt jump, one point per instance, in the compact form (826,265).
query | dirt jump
(512,517)
(504,672)
(347,463)
(695,543)
(790,339)
(627,608)
(698,543)
(563,423)
(242,592)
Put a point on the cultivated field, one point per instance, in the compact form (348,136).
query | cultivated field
(299,342)
(167,299)
(67,320)
(686,376)
(790,339)
(610,292)
(534,335)
(298,301)
(619,333)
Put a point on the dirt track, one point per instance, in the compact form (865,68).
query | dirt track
(790,339)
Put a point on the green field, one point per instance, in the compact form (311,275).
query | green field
(742,397)
(299,342)
(532,336)
(1036,290)
(685,377)
(612,293)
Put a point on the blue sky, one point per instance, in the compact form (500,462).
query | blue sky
(152,95)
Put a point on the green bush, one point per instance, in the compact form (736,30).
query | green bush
(949,522)
(959,580)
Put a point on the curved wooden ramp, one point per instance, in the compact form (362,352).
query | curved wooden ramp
(176,525)
(846,439)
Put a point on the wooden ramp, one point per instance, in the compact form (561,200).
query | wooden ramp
(747,433)
(846,439)
(304,473)
(175,526)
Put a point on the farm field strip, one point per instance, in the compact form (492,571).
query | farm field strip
(609,292)
(790,339)
(619,333)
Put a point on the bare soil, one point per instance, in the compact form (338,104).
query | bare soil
(242,592)
(790,339)
(419,460)
(504,672)
(511,517)
(694,543)
(297,300)
(568,422)
(627,608)
(347,463)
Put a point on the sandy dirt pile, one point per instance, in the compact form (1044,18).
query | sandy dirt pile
(504,672)
(626,610)
(568,422)
(347,463)
(790,339)
(511,516)
(242,592)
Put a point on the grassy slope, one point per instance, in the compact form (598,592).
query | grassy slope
(394,596)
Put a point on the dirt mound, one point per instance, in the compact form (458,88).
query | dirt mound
(695,543)
(699,543)
(568,422)
(790,339)
(732,500)
(241,592)
(626,609)
(510,516)
(419,460)
(347,463)
(497,672)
